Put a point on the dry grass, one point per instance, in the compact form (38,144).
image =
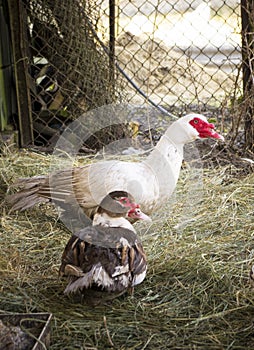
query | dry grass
(196,294)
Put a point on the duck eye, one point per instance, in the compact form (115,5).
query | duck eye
(123,200)
(138,211)
(195,121)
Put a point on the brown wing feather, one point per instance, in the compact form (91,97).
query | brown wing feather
(28,195)
(140,260)
(66,186)
(101,249)
(86,186)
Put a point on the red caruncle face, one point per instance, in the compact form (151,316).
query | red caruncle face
(205,129)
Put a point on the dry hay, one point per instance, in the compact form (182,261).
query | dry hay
(196,294)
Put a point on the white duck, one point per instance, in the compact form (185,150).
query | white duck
(107,256)
(151,182)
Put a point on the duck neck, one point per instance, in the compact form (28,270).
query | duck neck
(103,219)
(165,164)
(167,150)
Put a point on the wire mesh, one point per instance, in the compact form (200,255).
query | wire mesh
(69,71)
(182,53)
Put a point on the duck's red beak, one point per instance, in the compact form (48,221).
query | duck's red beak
(145,217)
(137,214)
(209,132)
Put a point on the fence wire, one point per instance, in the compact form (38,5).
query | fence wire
(181,52)
(177,54)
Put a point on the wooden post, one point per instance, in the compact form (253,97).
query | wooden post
(18,24)
(8,93)
(112,13)
(247,14)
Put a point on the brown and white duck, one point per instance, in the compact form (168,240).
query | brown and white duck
(107,256)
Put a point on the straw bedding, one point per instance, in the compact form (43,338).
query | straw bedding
(196,294)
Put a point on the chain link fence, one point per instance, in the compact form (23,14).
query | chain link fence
(181,54)
(69,72)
